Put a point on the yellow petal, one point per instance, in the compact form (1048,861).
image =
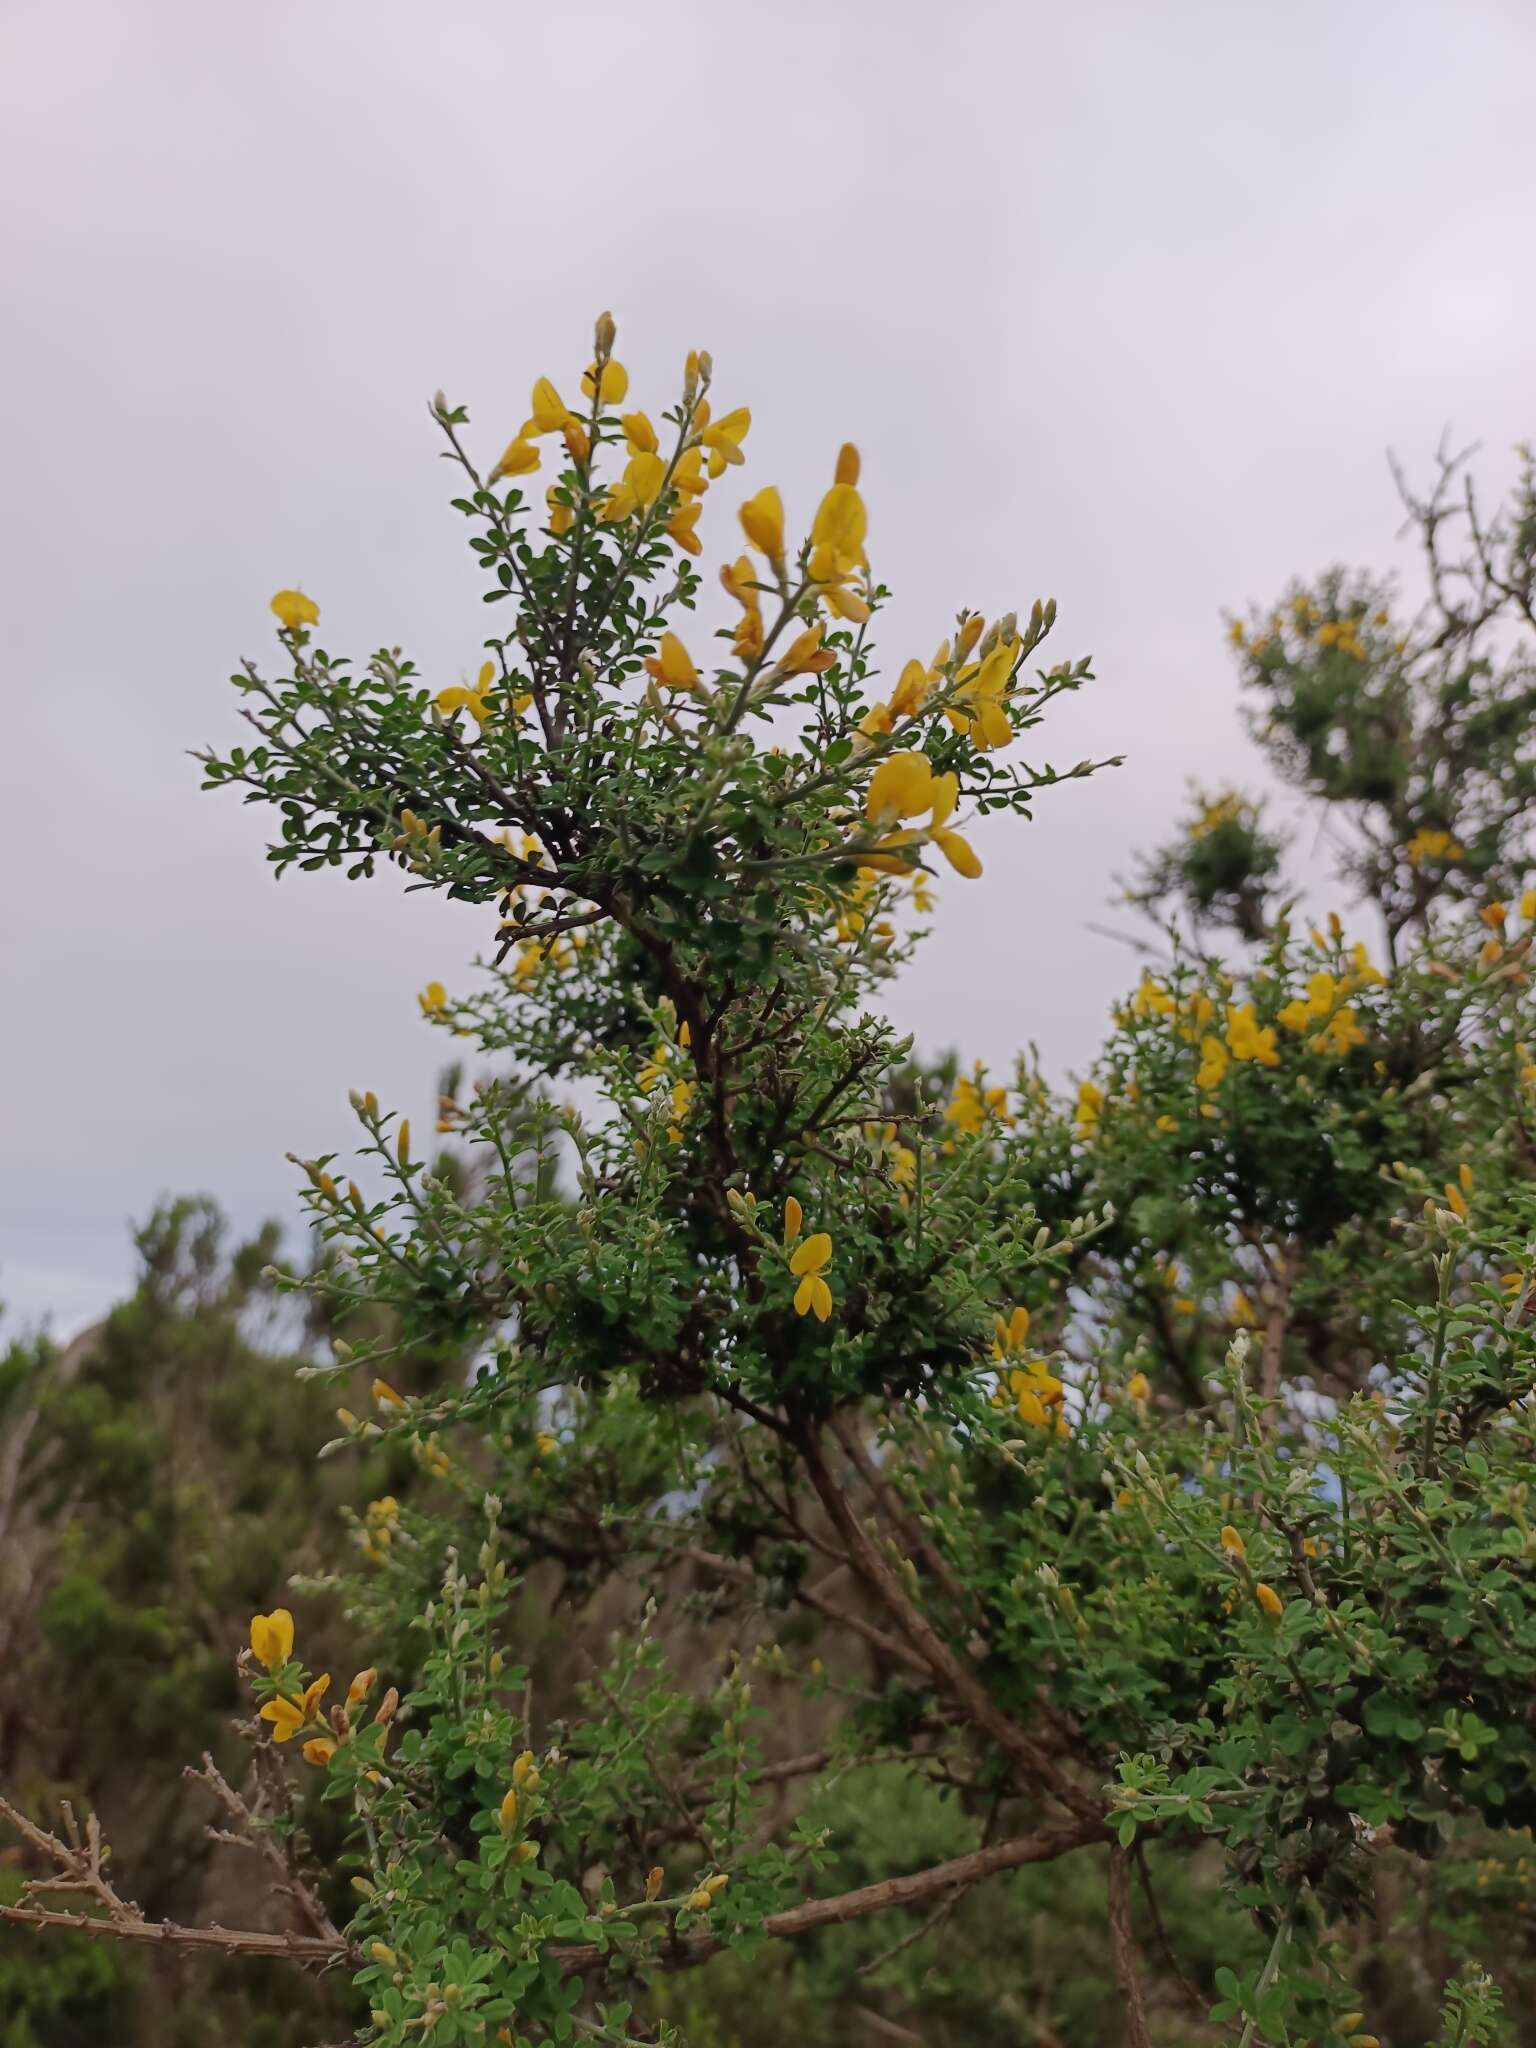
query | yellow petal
(811,1256)
(958,852)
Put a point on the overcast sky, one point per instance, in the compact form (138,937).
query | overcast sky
(1123,303)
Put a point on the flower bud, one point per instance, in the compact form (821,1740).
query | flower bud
(388,1707)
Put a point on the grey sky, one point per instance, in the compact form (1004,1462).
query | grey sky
(1123,304)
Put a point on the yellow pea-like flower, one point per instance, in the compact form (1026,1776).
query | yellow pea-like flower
(762,521)
(614,386)
(673,666)
(549,409)
(1269,1600)
(293,610)
(813,1296)
(517,459)
(900,787)
(639,433)
(1232,1542)
(272,1638)
(794,1216)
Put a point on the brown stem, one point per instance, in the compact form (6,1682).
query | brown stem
(1035,1766)
(246,1941)
(1285,1271)
(1122,1942)
(848,1429)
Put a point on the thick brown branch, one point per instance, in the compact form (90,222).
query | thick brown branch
(848,1429)
(1122,1943)
(1035,1766)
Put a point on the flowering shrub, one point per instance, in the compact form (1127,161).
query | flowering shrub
(1143,1469)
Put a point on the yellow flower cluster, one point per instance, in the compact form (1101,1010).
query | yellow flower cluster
(904,786)
(1430,842)
(378,1531)
(973,1105)
(1324,1005)
(1036,1395)
(1216,811)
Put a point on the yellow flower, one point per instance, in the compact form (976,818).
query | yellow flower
(433,999)
(837,536)
(1213,1064)
(294,610)
(1456,1199)
(639,433)
(723,438)
(638,489)
(1247,1039)
(1036,1393)
(1090,1108)
(794,1217)
(272,1638)
(1152,999)
(1139,1387)
(805,654)
(319,1749)
(762,521)
(517,459)
(739,579)
(682,527)
(1340,1035)
(1528,905)
(386,1396)
(901,787)
(545,1444)
(1168,1123)
(1013,1334)
(506,1813)
(1431,843)
(1493,915)
(672,665)
(977,707)
(912,689)
(1269,1600)
(461,698)
(561,516)
(550,411)
(615,382)
(813,1296)
(1232,1542)
(289,1716)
